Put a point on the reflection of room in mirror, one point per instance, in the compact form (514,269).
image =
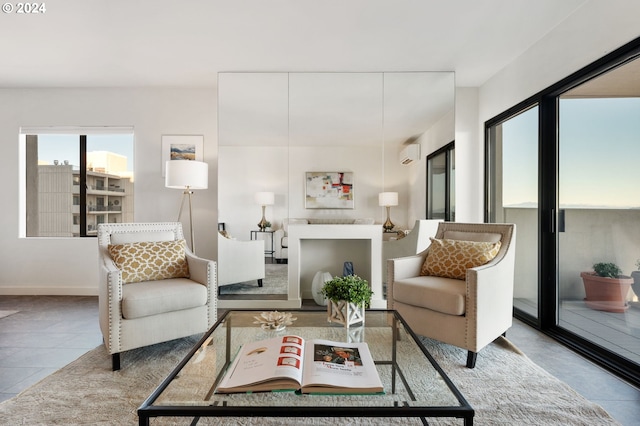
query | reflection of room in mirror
(273,128)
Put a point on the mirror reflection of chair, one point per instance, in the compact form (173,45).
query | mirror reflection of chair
(169,295)
(240,261)
(416,241)
(469,311)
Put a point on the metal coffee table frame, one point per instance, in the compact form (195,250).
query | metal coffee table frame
(463,410)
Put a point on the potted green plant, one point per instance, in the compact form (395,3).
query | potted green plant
(348,297)
(606,288)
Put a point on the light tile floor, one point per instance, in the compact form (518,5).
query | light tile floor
(48,332)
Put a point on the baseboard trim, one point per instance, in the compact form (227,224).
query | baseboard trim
(48,291)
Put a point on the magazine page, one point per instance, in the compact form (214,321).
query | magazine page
(335,367)
(271,364)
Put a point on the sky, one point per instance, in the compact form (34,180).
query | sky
(66,147)
(599,150)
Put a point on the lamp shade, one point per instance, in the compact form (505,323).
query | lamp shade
(181,174)
(388,199)
(265,198)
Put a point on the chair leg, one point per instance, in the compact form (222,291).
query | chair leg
(471,359)
(260,282)
(115,361)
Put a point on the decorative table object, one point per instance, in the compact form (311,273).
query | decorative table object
(319,279)
(275,320)
(348,297)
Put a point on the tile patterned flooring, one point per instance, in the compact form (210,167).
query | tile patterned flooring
(48,332)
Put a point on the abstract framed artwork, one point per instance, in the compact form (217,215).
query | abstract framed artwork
(181,147)
(329,190)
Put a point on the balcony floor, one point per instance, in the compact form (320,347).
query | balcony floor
(618,332)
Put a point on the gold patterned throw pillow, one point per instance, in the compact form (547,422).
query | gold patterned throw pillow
(452,258)
(150,261)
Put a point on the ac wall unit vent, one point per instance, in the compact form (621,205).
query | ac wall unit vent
(410,153)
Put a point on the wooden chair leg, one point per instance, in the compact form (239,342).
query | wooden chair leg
(471,359)
(115,361)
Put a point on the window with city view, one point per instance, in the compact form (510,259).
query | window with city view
(75,181)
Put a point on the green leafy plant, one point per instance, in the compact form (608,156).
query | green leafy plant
(638,264)
(350,288)
(607,270)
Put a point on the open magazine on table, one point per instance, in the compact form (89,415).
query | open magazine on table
(291,363)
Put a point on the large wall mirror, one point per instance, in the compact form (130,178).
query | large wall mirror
(275,127)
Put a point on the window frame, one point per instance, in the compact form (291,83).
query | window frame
(81,133)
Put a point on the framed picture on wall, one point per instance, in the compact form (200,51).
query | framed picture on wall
(181,147)
(329,190)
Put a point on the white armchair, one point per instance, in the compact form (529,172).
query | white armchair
(240,261)
(144,312)
(469,312)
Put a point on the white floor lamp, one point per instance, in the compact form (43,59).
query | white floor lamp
(187,175)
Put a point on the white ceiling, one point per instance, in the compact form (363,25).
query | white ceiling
(109,43)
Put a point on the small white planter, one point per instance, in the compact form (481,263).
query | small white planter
(345,313)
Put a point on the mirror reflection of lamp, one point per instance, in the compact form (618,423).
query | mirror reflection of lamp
(388,199)
(264,199)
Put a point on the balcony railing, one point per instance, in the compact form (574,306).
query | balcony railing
(105,188)
(105,208)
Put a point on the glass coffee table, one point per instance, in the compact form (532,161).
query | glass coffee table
(414,384)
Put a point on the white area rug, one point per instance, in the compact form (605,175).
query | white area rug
(275,282)
(505,388)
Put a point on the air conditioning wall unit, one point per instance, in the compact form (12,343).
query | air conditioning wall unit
(410,153)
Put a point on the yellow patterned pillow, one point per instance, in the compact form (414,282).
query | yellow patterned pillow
(452,258)
(150,261)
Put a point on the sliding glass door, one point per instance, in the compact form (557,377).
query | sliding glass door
(563,166)
(512,162)
(599,200)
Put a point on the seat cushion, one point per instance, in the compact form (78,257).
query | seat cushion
(150,261)
(445,295)
(157,297)
(452,258)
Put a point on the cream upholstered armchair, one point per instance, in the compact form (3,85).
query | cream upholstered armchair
(152,289)
(442,295)
(240,261)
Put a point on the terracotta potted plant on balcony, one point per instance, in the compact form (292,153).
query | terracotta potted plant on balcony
(606,288)
(348,296)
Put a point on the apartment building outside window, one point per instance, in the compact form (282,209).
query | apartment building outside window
(75,179)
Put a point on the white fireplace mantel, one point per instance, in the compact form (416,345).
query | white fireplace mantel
(370,233)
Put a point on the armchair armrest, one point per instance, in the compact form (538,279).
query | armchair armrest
(205,272)
(201,270)
(405,267)
(401,268)
(278,235)
(110,295)
(490,299)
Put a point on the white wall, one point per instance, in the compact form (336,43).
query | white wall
(69,265)
(566,49)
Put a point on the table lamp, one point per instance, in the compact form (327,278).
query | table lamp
(264,199)
(388,199)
